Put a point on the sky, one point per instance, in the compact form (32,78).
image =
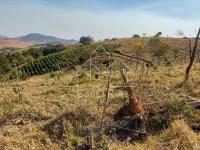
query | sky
(71,19)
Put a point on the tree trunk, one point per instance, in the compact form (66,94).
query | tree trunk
(192,57)
(135,106)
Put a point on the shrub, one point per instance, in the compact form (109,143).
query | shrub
(45,64)
(35,52)
(159,49)
(182,106)
(158,34)
(86,40)
(5,65)
(108,48)
(50,49)
(135,36)
(16,58)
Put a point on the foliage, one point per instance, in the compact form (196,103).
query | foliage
(158,34)
(5,64)
(65,59)
(35,52)
(86,40)
(108,48)
(159,49)
(50,49)
(16,59)
(139,45)
(182,106)
(9,60)
(135,36)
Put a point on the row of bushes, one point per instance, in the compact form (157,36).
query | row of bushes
(10,59)
(45,64)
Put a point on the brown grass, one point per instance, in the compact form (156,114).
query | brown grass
(44,97)
(13,44)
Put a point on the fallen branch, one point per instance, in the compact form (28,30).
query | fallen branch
(55,120)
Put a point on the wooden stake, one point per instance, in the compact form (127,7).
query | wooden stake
(106,100)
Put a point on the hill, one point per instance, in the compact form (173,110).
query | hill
(36,38)
(64,108)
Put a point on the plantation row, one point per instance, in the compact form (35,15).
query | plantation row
(54,62)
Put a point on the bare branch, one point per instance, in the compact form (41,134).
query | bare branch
(192,58)
(131,57)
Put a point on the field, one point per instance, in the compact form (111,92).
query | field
(13,44)
(169,121)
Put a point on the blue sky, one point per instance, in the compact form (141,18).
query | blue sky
(98,18)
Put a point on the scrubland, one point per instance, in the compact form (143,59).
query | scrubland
(169,121)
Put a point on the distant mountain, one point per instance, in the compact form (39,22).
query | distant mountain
(36,38)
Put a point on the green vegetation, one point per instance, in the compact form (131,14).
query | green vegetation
(50,49)
(182,106)
(10,60)
(135,36)
(65,59)
(86,40)
(5,65)
(159,49)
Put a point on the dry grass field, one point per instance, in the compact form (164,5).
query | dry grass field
(13,44)
(41,98)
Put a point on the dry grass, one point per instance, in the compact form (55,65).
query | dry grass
(13,44)
(44,97)
(178,137)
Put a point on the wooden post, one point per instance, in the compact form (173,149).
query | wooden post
(106,100)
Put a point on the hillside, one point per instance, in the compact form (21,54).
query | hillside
(2,37)
(36,38)
(62,103)
(12,43)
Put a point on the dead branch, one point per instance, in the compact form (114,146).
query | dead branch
(131,57)
(192,58)
(195,104)
(53,121)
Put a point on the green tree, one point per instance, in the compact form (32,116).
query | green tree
(35,52)
(135,36)
(86,40)
(4,64)
(159,49)
(50,49)
(16,58)
(158,34)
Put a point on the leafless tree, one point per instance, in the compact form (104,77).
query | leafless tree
(193,53)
